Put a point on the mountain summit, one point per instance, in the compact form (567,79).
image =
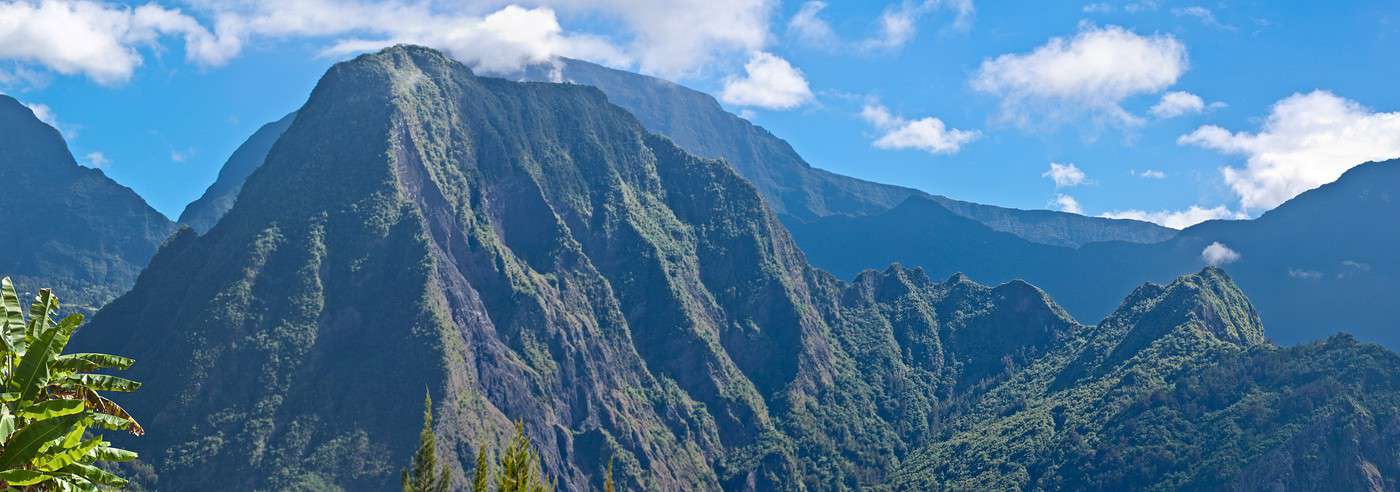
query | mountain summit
(528,251)
(67,227)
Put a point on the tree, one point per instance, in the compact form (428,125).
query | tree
(425,474)
(518,470)
(51,401)
(481,478)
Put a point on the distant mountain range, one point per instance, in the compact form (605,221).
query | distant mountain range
(797,191)
(529,251)
(66,226)
(204,212)
(1322,262)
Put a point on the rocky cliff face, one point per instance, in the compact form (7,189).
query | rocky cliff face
(67,227)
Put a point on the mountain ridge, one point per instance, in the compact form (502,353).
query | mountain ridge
(73,228)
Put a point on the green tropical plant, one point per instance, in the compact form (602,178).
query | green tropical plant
(425,474)
(518,470)
(51,401)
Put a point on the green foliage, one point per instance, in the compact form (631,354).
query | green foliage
(49,404)
(518,468)
(481,476)
(426,474)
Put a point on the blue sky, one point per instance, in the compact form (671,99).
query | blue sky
(1254,101)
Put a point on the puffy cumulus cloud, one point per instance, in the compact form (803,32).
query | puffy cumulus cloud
(1307,140)
(1095,71)
(928,134)
(1064,175)
(1217,254)
(1068,204)
(896,26)
(98,40)
(768,82)
(1176,219)
(1177,103)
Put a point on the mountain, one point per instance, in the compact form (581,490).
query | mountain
(528,251)
(1177,390)
(68,227)
(1322,262)
(797,191)
(204,212)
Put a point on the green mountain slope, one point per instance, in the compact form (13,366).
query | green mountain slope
(204,212)
(797,191)
(1320,263)
(528,251)
(1178,391)
(67,227)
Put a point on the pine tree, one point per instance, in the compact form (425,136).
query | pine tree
(518,470)
(426,475)
(482,476)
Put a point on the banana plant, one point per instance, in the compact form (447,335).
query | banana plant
(51,407)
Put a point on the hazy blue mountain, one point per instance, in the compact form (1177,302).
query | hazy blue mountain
(797,191)
(1322,262)
(204,212)
(66,226)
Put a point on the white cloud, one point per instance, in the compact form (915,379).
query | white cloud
(1094,72)
(1175,219)
(1150,174)
(928,134)
(1307,140)
(501,42)
(1202,14)
(1177,103)
(896,26)
(769,82)
(1303,274)
(98,40)
(1068,204)
(1064,175)
(1218,254)
(810,28)
(181,155)
(104,41)
(96,160)
(1097,8)
(44,114)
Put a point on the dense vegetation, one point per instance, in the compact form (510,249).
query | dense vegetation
(51,401)
(529,250)
(68,227)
